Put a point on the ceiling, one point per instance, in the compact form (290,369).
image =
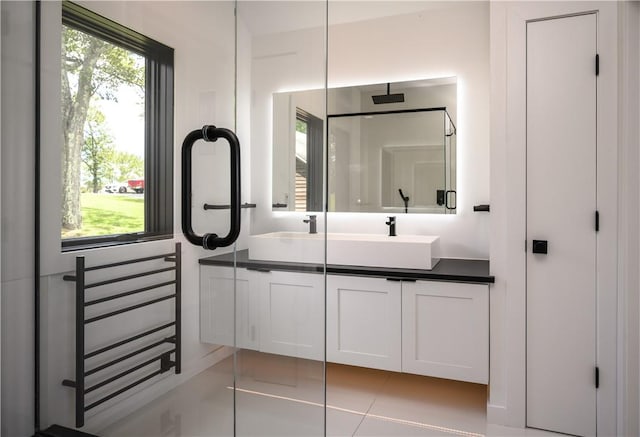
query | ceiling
(263,17)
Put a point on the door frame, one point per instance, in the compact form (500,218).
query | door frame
(507,398)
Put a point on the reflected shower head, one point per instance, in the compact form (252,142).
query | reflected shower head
(388,98)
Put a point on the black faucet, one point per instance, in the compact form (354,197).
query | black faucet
(313,229)
(405,199)
(392,226)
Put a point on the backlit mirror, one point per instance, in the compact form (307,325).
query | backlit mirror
(391,148)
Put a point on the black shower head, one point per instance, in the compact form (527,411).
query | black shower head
(388,98)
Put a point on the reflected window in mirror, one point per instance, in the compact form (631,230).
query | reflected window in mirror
(308,186)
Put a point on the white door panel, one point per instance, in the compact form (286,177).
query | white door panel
(291,314)
(217,303)
(364,322)
(445,330)
(561,205)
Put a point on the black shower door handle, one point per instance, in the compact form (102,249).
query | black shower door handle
(211,133)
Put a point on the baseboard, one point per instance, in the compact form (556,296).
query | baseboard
(125,407)
(497,414)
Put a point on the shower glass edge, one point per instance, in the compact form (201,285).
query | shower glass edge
(279,359)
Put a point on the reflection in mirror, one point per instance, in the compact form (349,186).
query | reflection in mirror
(403,161)
(308,192)
(298,137)
(391,148)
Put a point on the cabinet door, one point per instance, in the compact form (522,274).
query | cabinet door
(292,314)
(445,330)
(217,307)
(363,322)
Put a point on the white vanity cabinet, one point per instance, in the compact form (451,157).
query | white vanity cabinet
(432,328)
(217,307)
(276,312)
(364,322)
(445,330)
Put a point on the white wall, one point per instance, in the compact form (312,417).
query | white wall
(629,220)
(17,218)
(275,59)
(202,34)
(449,40)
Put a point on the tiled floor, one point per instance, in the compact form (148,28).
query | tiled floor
(280,396)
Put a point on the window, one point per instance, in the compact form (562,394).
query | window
(117,117)
(308,162)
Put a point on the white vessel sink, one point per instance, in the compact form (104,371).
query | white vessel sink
(370,250)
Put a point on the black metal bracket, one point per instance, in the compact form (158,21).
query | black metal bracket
(481,208)
(400,279)
(165,362)
(259,269)
(208,206)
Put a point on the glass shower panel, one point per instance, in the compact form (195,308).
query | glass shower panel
(394,162)
(256,326)
(279,357)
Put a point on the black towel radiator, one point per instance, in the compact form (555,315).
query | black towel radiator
(164,358)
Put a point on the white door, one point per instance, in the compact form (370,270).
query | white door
(561,205)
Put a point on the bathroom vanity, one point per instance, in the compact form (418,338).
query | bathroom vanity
(427,322)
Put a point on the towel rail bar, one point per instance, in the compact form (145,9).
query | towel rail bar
(128,293)
(126,357)
(128,277)
(128,340)
(127,309)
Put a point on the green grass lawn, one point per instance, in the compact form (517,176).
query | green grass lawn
(108,214)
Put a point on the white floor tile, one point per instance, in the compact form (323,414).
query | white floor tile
(280,396)
(281,376)
(202,406)
(382,426)
(258,415)
(341,424)
(439,402)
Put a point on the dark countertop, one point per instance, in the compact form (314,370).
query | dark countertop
(448,269)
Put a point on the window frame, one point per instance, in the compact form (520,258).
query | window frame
(159,117)
(315,129)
